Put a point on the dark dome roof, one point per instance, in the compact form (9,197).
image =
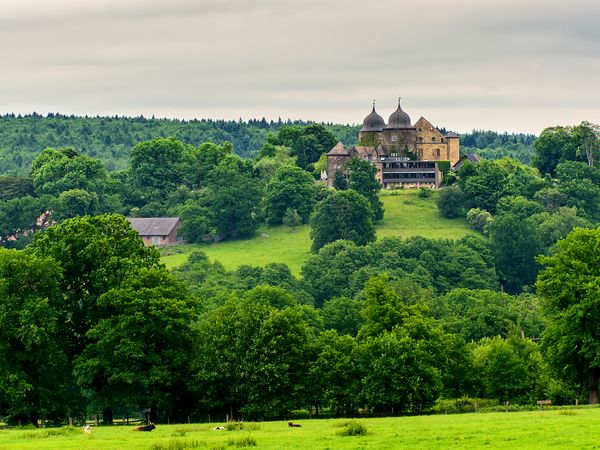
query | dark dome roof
(373,122)
(399,119)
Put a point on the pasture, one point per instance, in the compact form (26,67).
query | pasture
(405,215)
(566,428)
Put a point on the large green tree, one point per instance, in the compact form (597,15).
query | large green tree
(515,242)
(343,215)
(486,186)
(55,171)
(96,254)
(363,181)
(34,375)
(569,285)
(559,144)
(334,373)
(139,351)
(251,358)
(233,198)
(291,187)
(159,166)
(307,143)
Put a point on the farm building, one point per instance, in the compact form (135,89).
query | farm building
(157,230)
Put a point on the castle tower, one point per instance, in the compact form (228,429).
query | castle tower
(371,132)
(399,136)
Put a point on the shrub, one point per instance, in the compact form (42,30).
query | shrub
(233,426)
(291,218)
(444,166)
(246,441)
(424,192)
(451,202)
(462,405)
(478,219)
(353,428)
(178,444)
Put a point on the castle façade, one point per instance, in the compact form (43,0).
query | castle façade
(405,155)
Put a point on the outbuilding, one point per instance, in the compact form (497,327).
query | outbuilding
(157,230)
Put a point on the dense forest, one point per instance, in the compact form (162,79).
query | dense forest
(111,139)
(492,145)
(92,323)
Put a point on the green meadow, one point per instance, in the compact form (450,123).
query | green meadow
(405,215)
(567,428)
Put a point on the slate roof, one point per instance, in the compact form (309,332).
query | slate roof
(339,149)
(451,134)
(373,122)
(153,226)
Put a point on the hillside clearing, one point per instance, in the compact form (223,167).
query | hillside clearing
(405,215)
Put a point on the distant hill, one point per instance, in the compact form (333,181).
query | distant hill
(492,145)
(111,139)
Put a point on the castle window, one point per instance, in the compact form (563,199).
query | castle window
(433,139)
(420,138)
(437,152)
(442,140)
(394,138)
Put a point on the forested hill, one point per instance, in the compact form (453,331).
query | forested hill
(111,139)
(492,145)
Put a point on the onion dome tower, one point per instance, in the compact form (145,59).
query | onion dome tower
(399,119)
(371,132)
(373,122)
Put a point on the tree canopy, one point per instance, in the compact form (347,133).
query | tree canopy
(343,215)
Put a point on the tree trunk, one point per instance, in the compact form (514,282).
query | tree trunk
(33,419)
(593,386)
(107,416)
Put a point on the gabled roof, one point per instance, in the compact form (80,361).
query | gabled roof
(424,123)
(363,151)
(339,149)
(471,157)
(380,150)
(153,226)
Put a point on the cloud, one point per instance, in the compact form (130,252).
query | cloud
(505,65)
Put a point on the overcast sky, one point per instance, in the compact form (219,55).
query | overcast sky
(515,65)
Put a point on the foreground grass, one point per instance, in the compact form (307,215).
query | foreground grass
(554,428)
(405,215)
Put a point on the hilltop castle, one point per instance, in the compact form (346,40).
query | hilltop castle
(405,155)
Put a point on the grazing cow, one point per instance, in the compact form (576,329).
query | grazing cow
(145,428)
(87,429)
(219,428)
(292,424)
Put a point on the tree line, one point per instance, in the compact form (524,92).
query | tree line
(92,323)
(111,139)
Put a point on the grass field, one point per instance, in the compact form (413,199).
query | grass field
(405,215)
(569,428)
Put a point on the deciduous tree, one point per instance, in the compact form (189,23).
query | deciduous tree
(569,284)
(343,215)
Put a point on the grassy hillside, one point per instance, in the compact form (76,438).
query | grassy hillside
(568,428)
(405,215)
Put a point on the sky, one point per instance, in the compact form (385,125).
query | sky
(510,65)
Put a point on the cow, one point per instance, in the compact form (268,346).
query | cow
(292,424)
(145,428)
(87,429)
